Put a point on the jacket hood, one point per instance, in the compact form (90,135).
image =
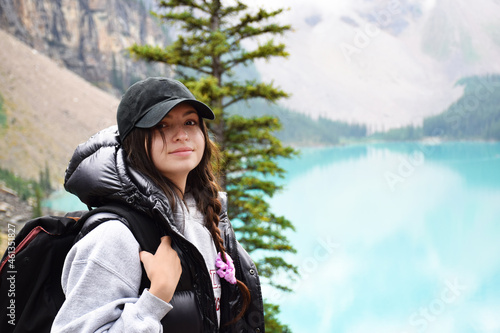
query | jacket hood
(98,173)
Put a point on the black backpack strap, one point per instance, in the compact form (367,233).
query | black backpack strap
(95,218)
(144,228)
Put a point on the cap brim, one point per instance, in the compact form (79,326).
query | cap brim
(158,111)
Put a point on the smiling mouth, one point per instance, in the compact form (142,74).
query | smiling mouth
(184,150)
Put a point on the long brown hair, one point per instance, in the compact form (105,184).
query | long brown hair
(201,183)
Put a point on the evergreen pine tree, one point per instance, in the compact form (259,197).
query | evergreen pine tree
(205,54)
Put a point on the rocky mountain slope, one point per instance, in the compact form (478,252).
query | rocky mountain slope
(48,108)
(89,37)
(49,111)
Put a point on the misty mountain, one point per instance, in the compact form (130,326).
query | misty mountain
(476,115)
(383,63)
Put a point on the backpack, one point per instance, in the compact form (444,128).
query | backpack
(30,271)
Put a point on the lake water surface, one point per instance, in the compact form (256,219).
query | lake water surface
(391,238)
(394,238)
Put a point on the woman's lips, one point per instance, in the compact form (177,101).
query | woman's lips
(184,151)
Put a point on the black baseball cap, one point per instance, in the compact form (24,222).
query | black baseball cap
(147,102)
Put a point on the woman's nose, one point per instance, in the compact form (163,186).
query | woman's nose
(180,134)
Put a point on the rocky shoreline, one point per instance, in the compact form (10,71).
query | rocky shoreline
(12,208)
(13,211)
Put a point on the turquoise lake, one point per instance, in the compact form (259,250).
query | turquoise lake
(394,238)
(391,238)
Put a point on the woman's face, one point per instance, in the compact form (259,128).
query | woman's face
(183,147)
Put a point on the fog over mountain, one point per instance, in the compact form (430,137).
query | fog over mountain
(383,63)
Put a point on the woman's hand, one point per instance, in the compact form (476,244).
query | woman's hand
(163,269)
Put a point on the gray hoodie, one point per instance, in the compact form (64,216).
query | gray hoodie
(106,263)
(101,279)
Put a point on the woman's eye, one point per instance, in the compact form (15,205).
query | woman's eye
(191,122)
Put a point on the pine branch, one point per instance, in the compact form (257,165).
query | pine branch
(252,89)
(175,54)
(265,51)
(252,32)
(231,10)
(248,19)
(174,4)
(189,22)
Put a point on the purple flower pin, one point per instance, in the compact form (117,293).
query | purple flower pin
(225,269)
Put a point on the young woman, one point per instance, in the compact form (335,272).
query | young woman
(158,163)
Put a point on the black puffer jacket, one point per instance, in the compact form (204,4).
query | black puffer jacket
(99,174)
